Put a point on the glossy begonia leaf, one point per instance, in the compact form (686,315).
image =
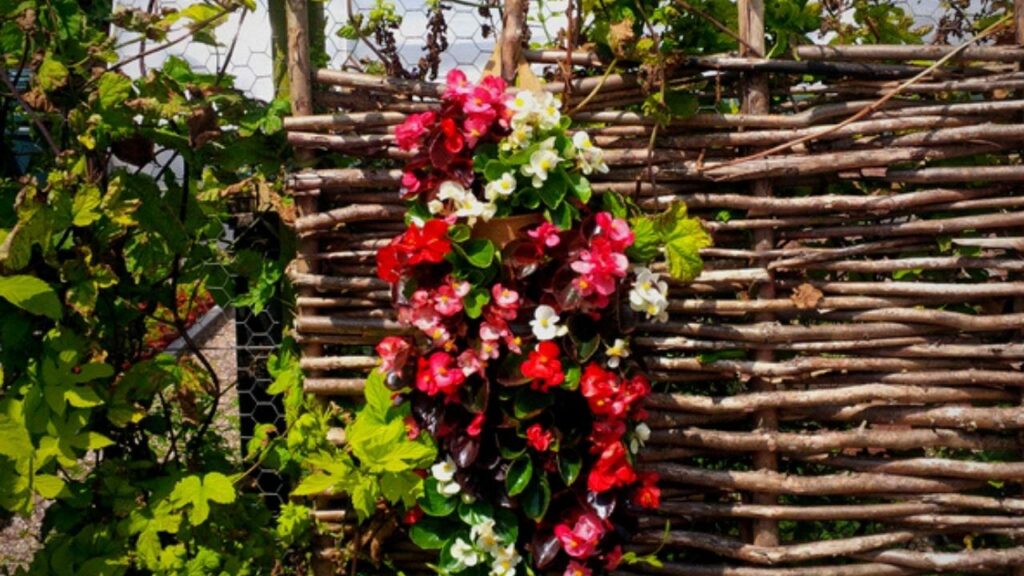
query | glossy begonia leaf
(519,474)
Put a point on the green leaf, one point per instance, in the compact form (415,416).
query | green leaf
(536,498)
(431,533)
(569,466)
(530,403)
(681,104)
(47,485)
(553,191)
(84,208)
(113,89)
(378,396)
(459,233)
(646,240)
(479,253)
(572,377)
(476,512)
(475,301)
(433,503)
(518,476)
(495,169)
(683,237)
(614,202)
(405,487)
(199,492)
(52,73)
(31,294)
(364,495)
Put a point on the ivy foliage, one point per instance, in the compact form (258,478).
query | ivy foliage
(99,245)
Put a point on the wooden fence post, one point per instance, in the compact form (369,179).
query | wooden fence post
(756,100)
(300,92)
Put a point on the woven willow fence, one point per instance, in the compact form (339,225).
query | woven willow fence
(841,387)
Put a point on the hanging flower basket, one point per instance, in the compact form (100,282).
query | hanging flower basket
(505,431)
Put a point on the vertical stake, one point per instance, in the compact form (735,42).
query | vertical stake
(756,100)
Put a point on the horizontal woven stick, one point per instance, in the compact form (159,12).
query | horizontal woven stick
(733,307)
(957,320)
(922,263)
(989,174)
(380,83)
(680,569)
(319,302)
(769,137)
(342,120)
(321,282)
(914,289)
(307,324)
(848,483)
(353,143)
(918,227)
(823,441)
(966,417)
(903,52)
(353,213)
(772,555)
(333,386)
(781,512)
(939,350)
(927,467)
(845,396)
(339,362)
(880,88)
(346,178)
(960,501)
(769,332)
(813,164)
(803,365)
(968,560)
(662,344)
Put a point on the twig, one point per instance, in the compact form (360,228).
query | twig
(608,72)
(192,30)
(714,22)
(28,110)
(874,106)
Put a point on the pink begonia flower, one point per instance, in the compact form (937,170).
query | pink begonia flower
(411,183)
(458,87)
(408,134)
(470,363)
(576,569)
(546,234)
(446,301)
(615,230)
(477,126)
(476,426)
(582,539)
(505,298)
(601,265)
(438,374)
(393,352)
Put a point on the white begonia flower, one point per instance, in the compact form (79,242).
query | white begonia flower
(589,158)
(649,295)
(464,553)
(518,138)
(451,190)
(471,209)
(616,352)
(548,111)
(444,471)
(448,489)
(501,188)
(505,561)
(468,498)
(485,537)
(641,434)
(435,206)
(545,323)
(541,162)
(523,106)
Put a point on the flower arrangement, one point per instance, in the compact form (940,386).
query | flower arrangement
(521,287)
